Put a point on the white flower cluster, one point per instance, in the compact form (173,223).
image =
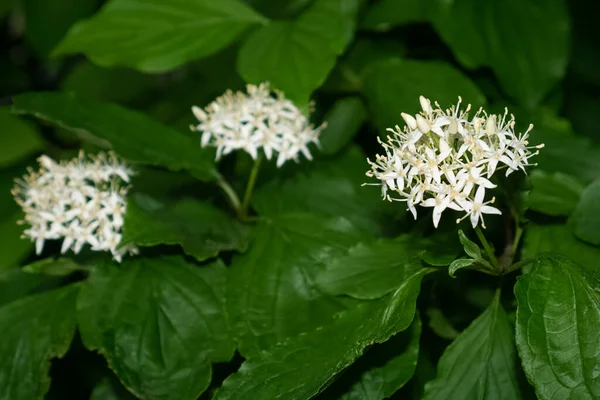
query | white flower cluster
(254,120)
(81,201)
(443,159)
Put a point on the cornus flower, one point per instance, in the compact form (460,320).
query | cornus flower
(444,159)
(258,119)
(81,202)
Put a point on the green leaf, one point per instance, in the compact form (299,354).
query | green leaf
(14,249)
(370,271)
(536,38)
(35,330)
(132,135)
(47,21)
(554,194)
(271,293)
(302,366)
(440,249)
(344,120)
(202,230)
(15,284)
(559,239)
(110,389)
(384,369)
(18,139)
(558,316)
(460,264)
(154,36)
(54,267)
(440,324)
(159,322)
(561,144)
(330,189)
(449,19)
(586,217)
(351,69)
(480,362)
(469,246)
(279,9)
(296,56)
(394,86)
(386,14)
(107,84)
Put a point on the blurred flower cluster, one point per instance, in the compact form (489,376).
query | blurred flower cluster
(81,201)
(258,119)
(444,159)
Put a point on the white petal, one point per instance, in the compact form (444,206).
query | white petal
(474,219)
(436,218)
(429,203)
(425,105)
(39,245)
(451,177)
(492,167)
(486,183)
(444,149)
(400,183)
(66,244)
(391,183)
(480,194)
(452,205)
(199,113)
(490,210)
(412,209)
(422,124)
(410,121)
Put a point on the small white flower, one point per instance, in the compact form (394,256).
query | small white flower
(475,208)
(444,159)
(258,119)
(81,201)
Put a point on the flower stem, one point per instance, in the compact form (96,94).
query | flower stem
(517,239)
(243,209)
(519,264)
(486,246)
(231,195)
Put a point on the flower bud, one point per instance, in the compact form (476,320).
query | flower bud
(422,124)
(410,121)
(490,126)
(425,105)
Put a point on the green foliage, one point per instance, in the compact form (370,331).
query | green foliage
(161,326)
(34,330)
(395,84)
(344,120)
(296,56)
(382,381)
(303,365)
(304,282)
(202,230)
(557,320)
(554,194)
(145,141)
(154,36)
(586,218)
(560,239)
(19,141)
(293,248)
(385,14)
(535,38)
(48,20)
(370,271)
(480,362)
